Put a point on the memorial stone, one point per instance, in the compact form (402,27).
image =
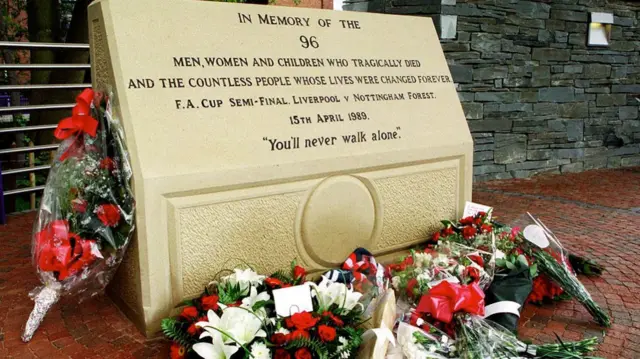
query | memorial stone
(265,134)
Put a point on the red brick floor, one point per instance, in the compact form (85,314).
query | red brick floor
(595,213)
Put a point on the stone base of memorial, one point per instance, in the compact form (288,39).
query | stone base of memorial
(261,135)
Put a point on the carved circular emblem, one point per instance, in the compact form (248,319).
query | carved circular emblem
(340,214)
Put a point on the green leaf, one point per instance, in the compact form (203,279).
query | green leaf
(523,260)
(315,345)
(510,265)
(501,262)
(446,223)
(533,270)
(261,304)
(174,331)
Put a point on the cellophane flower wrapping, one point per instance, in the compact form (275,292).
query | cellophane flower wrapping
(553,261)
(86,216)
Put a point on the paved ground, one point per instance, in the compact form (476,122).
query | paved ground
(595,213)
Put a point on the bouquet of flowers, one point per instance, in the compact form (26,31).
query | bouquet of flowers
(551,269)
(480,339)
(85,221)
(240,316)
(447,318)
(480,232)
(554,262)
(441,283)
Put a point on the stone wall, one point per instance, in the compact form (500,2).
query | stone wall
(537,99)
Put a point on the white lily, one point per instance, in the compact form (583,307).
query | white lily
(242,325)
(217,350)
(237,325)
(209,327)
(244,278)
(329,292)
(252,299)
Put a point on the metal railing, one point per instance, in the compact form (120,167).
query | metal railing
(31,169)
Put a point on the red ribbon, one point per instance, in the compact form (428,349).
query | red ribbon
(447,298)
(58,250)
(80,120)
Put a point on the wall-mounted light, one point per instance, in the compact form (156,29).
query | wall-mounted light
(448,26)
(600,29)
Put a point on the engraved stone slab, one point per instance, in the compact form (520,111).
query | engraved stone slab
(265,134)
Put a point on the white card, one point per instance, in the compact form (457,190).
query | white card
(500,254)
(535,234)
(292,300)
(471,209)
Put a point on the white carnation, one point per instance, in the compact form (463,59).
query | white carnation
(260,351)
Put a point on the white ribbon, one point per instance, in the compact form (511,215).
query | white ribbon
(502,307)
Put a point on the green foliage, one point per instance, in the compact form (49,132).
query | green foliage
(172,330)
(313,344)
(229,293)
(447,223)
(10,11)
(282,276)
(355,340)
(261,304)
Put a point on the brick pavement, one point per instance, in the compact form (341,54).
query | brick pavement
(591,212)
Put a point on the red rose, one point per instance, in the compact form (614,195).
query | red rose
(337,321)
(281,354)
(193,330)
(79,205)
(304,320)
(436,237)
(466,221)
(477,221)
(189,312)
(482,214)
(486,228)
(303,353)
(410,286)
(326,333)
(177,351)
(397,267)
(468,232)
(408,260)
(476,258)
(447,231)
(288,323)
(299,272)
(472,272)
(109,214)
(209,302)
(273,282)
(278,339)
(299,334)
(107,164)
